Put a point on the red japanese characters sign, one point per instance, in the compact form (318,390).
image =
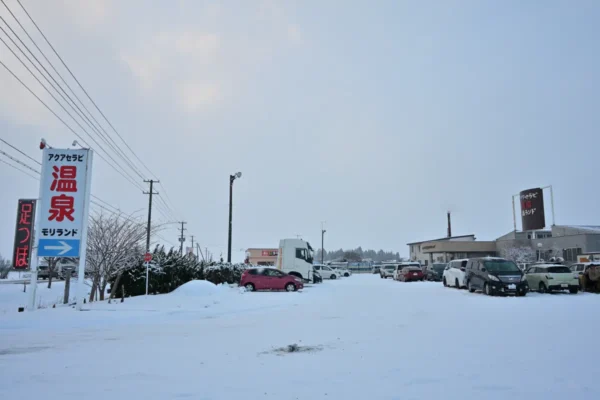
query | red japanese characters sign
(532,209)
(24,234)
(64,201)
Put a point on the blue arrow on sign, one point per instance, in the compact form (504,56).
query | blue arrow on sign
(58,248)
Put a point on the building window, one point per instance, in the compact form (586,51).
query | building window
(571,254)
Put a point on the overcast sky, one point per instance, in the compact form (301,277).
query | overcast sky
(375,116)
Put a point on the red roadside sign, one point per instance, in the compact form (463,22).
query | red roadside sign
(147,257)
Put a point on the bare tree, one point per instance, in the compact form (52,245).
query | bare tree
(4,267)
(52,262)
(115,243)
(522,254)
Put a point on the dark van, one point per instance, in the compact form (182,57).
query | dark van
(495,276)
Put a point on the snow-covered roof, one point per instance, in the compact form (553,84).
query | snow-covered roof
(442,239)
(590,228)
(547,265)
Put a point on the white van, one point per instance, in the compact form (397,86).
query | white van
(295,257)
(327,272)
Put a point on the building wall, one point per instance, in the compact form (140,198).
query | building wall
(262,256)
(566,243)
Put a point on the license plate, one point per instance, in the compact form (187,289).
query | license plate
(415,274)
(565,285)
(512,287)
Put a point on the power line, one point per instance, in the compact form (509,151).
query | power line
(132,180)
(18,161)
(14,148)
(117,210)
(164,208)
(18,169)
(65,124)
(106,137)
(81,87)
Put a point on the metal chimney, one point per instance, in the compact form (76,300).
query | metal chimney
(449,226)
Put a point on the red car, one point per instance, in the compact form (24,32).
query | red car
(269,279)
(412,274)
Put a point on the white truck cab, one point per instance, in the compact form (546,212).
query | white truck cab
(295,257)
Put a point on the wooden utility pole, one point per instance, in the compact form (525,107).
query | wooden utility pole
(182,238)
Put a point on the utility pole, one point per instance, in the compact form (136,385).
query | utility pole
(192,237)
(232,178)
(182,238)
(322,244)
(149,228)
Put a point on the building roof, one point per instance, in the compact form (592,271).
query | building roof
(588,228)
(444,238)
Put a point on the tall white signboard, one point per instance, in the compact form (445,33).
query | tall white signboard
(64,207)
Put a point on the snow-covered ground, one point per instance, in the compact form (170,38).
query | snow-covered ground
(359,338)
(12,295)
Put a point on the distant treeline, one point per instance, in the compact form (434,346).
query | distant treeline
(357,254)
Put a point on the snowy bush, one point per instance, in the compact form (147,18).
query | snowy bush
(224,273)
(168,271)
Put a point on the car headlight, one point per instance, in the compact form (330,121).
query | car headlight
(494,278)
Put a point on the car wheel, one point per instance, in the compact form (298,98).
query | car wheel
(456,284)
(488,289)
(542,288)
(333,276)
(574,290)
(471,288)
(346,274)
(444,282)
(249,287)
(290,287)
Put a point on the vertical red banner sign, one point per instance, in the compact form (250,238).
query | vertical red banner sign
(24,233)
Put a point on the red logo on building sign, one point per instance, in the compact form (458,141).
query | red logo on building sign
(62,206)
(24,234)
(269,253)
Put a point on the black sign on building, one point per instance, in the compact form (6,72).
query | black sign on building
(24,234)
(532,209)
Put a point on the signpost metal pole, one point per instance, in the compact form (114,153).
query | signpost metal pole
(34,257)
(147,266)
(514,213)
(83,247)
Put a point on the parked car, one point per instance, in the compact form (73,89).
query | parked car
(410,274)
(551,277)
(326,272)
(44,273)
(401,266)
(455,274)
(580,269)
(435,272)
(270,279)
(388,270)
(376,269)
(495,276)
(342,271)
(317,277)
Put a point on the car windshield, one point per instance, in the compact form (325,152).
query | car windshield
(439,267)
(390,267)
(501,266)
(559,270)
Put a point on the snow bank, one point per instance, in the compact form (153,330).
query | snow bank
(199,288)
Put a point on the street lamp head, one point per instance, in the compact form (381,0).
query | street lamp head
(238,175)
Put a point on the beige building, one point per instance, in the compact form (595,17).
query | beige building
(446,250)
(450,248)
(261,256)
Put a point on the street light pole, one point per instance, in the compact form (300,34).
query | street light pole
(322,244)
(231,179)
